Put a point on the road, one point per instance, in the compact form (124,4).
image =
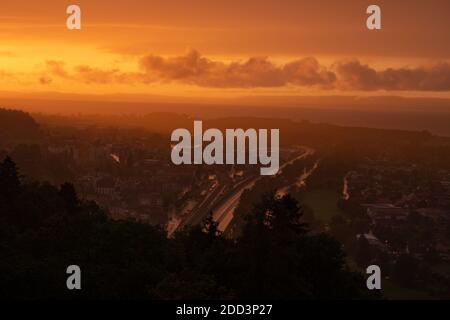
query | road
(224,213)
(300,181)
(223,200)
(200,209)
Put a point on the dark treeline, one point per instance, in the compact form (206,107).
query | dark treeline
(44,229)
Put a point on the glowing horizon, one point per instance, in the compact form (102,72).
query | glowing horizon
(222,49)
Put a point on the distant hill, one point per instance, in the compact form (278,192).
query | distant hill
(18,126)
(383,112)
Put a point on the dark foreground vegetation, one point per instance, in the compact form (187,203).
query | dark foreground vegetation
(44,229)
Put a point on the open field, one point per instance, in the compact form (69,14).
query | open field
(323,202)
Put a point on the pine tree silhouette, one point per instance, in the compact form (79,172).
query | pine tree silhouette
(9,179)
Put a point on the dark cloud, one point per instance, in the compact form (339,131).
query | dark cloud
(95,75)
(57,68)
(87,74)
(352,75)
(308,72)
(195,69)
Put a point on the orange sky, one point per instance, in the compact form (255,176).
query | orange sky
(226,48)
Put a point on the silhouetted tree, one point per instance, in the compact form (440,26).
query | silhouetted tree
(274,258)
(277,258)
(363,251)
(69,195)
(9,179)
(405,270)
(210,226)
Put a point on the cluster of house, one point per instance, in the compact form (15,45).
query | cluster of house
(430,201)
(386,215)
(127,180)
(135,196)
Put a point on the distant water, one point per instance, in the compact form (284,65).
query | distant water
(435,122)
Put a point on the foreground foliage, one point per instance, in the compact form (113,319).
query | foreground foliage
(44,229)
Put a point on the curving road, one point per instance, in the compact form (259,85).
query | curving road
(224,213)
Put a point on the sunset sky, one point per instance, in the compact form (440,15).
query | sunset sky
(226,48)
